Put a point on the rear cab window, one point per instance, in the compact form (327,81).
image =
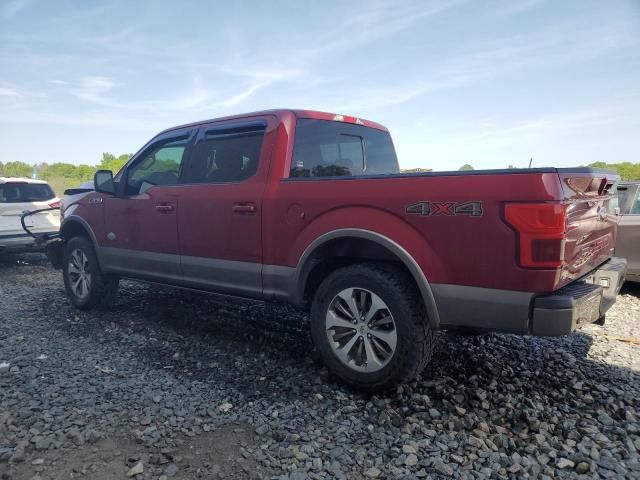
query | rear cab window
(23,192)
(324,148)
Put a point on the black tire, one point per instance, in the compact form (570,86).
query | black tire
(415,339)
(102,289)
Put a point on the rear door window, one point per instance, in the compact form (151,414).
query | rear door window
(226,154)
(328,149)
(22,192)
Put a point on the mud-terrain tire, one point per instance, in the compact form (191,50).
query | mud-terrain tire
(396,291)
(87,287)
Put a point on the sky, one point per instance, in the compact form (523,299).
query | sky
(488,83)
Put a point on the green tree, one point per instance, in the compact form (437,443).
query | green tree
(111,162)
(466,166)
(626,170)
(16,169)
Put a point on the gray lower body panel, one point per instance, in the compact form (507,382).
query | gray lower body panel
(225,276)
(138,263)
(208,274)
(280,283)
(558,313)
(482,308)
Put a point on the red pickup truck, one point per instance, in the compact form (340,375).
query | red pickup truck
(311,208)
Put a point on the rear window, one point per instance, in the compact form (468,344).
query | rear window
(329,149)
(15,192)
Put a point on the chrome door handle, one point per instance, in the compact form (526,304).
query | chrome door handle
(165,208)
(244,208)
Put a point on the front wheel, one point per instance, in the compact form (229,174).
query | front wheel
(86,285)
(369,324)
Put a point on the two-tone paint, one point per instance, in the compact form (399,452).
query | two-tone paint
(255,238)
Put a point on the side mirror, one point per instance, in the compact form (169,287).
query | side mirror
(103,182)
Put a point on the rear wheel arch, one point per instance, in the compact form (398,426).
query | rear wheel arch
(343,247)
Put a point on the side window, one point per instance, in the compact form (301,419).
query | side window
(635,206)
(160,166)
(226,155)
(19,192)
(328,149)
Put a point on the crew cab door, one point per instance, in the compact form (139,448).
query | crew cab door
(221,206)
(141,230)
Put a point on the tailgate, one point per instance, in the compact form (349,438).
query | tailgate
(591,206)
(10,214)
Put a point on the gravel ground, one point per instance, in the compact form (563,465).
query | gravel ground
(170,384)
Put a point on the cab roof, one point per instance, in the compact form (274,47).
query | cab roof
(281,112)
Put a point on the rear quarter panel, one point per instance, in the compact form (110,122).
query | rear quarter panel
(450,249)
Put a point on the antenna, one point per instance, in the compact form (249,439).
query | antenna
(530,162)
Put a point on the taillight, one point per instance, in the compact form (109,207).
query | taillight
(55,204)
(541,231)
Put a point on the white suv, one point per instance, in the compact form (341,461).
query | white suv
(21,195)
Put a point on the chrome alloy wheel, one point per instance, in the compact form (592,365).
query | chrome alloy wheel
(79,273)
(361,330)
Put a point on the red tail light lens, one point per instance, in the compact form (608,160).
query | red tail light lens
(541,231)
(55,204)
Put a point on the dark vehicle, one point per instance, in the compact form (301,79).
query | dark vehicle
(628,244)
(310,208)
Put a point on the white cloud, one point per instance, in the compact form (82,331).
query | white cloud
(93,89)
(8,92)
(234,100)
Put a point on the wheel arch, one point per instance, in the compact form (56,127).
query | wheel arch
(73,226)
(377,246)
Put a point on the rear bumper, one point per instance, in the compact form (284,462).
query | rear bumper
(559,313)
(19,242)
(581,302)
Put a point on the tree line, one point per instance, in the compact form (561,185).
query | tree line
(626,170)
(62,175)
(66,175)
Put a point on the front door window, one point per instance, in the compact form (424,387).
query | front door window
(161,166)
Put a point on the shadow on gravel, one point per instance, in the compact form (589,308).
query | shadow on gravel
(195,335)
(12,261)
(194,353)
(631,288)
(234,344)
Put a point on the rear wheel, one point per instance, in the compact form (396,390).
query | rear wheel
(87,287)
(370,327)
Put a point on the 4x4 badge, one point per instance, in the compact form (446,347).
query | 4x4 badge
(433,209)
